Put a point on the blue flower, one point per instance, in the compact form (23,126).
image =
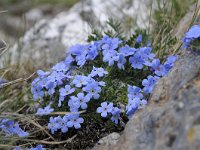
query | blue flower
(92,89)
(79,101)
(47,110)
(110,44)
(192,34)
(81,60)
(38,147)
(82,100)
(75,121)
(68,60)
(9,127)
(155,64)
(115,115)
(146,55)
(127,51)
(73,103)
(63,124)
(149,83)
(80,52)
(64,92)
(77,49)
(79,80)
(53,124)
(57,77)
(110,57)
(142,103)
(2,81)
(157,68)
(170,62)
(134,91)
(121,61)
(50,86)
(98,71)
(105,109)
(61,66)
(42,73)
(136,61)
(17,130)
(37,88)
(139,39)
(93,51)
(132,106)
(17,148)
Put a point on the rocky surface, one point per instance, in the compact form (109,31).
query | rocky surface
(51,37)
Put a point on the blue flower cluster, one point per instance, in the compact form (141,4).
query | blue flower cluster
(106,109)
(38,147)
(68,121)
(77,90)
(10,128)
(136,95)
(191,35)
(47,110)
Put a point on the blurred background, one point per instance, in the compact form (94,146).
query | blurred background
(17,16)
(35,34)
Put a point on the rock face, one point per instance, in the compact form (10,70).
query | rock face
(47,41)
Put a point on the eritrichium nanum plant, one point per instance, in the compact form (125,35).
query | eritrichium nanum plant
(87,75)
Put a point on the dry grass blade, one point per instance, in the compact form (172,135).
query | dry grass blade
(53,142)
(37,124)
(25,118)
(43,129)
(3,49)
(16,81)
(66,113)
(4,102)
(53,113)
(3,11)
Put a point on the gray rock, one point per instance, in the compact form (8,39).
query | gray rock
(47,41)
(34,14)
(109,140)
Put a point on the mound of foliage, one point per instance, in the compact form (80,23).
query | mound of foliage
(106,80)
